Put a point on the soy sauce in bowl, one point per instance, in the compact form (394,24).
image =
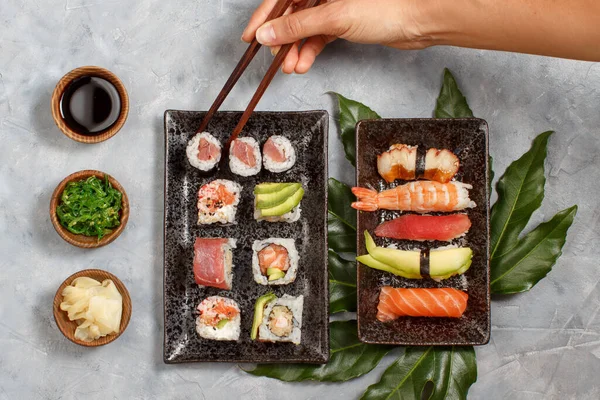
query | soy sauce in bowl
(90,105)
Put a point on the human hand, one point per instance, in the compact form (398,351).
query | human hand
(395,23)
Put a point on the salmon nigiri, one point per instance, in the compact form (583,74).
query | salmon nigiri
(425,227)
(436,302)
(420,196)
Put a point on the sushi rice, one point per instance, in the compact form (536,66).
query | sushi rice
(237,166)
(192,151)
(209,209)
(284,146)
(295,306)
(290,275)
(229,331)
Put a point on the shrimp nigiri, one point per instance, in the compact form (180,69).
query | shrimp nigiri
(406,162)
(421,196)
(435,302)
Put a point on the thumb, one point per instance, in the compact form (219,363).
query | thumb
(322,20)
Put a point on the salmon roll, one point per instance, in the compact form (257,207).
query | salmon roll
(203,151)
(218,319)
(278,154)
(213,262)
(218,201)
(244,157)
(274,261)
(278,319)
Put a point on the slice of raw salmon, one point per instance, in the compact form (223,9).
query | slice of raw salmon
(273,256)
(435,302)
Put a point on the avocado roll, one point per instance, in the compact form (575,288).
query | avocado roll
(278,319)
(278,202)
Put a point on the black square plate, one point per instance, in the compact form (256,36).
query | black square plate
(308,133)
(468,139)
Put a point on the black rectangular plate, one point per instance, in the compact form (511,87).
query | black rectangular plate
(468,139)
(308,133)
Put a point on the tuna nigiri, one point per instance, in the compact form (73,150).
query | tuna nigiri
(406,162)
(435,302)
(213,262)
(421,196)
(425,227)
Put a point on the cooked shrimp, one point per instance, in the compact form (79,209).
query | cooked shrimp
(421,196)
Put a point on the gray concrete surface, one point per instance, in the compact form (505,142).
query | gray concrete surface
(176,54)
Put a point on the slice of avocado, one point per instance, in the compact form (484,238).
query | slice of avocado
(445,263)
(268,200)
(369,261)
(275,273)
(221,324)
(284,207)
(259,310)
(405,260)
(269,187)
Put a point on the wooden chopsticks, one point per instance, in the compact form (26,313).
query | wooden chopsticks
(277,11)
(241,66)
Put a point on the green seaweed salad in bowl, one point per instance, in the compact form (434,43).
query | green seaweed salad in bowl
(89,209)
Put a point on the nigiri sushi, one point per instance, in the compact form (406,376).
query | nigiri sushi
(274,261)
(217,202)
(406,162)
(421,196)
(203,151)
(425,227)
(434,302)
(278,154)
(219,319)
(244,157)
(438,264)
(213,262)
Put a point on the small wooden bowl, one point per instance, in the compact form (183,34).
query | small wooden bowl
(87,242)
(68,327)
(59,91)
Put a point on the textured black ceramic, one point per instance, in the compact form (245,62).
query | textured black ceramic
(308,133)
(468,139)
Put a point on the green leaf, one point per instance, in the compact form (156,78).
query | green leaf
(520,193)
(451,370)
(533,256)
(341,217)
(342,284)
(349,359)
(350,113)
(451,103)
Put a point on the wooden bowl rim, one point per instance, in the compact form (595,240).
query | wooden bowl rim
(82,240)
(62,85)
(61,316)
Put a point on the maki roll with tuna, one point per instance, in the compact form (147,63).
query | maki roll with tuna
(219,319)
(217,202)
(203,151)
(278,154)
(213,262)
(274,261)
(278,319)
(277,202)
(244,157)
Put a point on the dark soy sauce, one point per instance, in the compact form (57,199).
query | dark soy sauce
(90,105)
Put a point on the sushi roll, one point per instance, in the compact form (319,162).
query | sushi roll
(218,319)
(217,202)
(203,151)
(274,261)
(278,319)
(278,154)
(244,157)
(213,262)
(277,202)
